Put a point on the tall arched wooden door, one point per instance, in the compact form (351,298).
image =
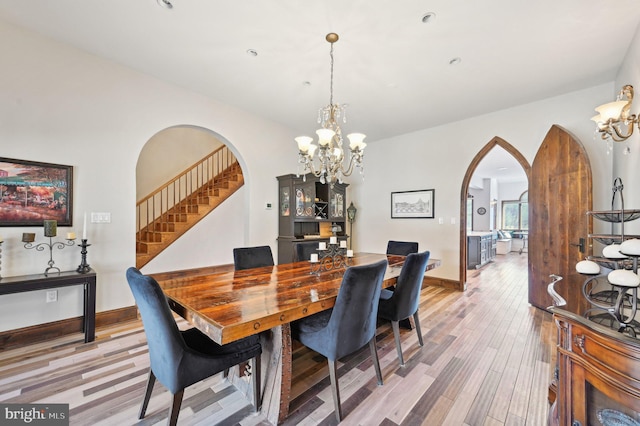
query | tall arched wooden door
(560,189)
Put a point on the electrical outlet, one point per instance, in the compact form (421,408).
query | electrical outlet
(268,206)
(52,296)
(441,220)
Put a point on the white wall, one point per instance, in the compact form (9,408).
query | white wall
(627,166)
(439,158)
(61,105)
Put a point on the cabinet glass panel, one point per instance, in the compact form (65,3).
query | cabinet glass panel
(602,410)
(284,201)
(304,201)
(337,204)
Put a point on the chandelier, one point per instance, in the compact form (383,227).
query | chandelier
(326,160)
(614,120)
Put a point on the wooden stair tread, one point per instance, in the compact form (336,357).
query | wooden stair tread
(152,240)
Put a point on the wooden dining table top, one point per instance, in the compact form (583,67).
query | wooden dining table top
(228,305)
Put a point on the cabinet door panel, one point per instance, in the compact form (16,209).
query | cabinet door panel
(304,200)
(336,204)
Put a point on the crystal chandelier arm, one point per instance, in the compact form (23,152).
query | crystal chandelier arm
(617,135)
(354,160)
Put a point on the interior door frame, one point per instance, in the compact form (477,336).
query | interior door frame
(496,141)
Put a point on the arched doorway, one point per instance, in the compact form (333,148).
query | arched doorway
(190,188)
(495,142)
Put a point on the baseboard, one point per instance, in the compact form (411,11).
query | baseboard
(38,333)
(443,282)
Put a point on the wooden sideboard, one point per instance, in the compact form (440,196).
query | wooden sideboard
(598,380)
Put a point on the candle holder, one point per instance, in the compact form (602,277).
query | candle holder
(51,244)
(84,267)
(333,257)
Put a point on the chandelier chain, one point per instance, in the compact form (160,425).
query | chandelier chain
(331,80)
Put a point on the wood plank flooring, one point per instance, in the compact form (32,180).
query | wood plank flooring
(487,360)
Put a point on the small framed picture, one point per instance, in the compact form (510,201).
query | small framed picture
(413,204)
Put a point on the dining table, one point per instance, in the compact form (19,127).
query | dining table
(228,305)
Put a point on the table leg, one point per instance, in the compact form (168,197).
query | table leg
(276,374)
(89,321)
(285,386)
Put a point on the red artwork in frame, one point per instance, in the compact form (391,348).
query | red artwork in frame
(31,192)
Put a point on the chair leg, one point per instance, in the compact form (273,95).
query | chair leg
(396,335)
(376,361)
(147,394)
(175,408)
(225,373)
(416,320)
(333,374)
(255,371)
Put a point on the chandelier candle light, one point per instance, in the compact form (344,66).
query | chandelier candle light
(614,115)
(329,151)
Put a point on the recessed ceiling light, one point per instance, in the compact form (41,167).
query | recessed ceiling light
(502,169)
(306,83)
(252,52)
(428,17)
(455,61)
(165,3)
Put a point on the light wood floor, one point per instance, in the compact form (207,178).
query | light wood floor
(486,361)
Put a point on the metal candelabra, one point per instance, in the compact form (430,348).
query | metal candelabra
(333,257)
(51,244)
(84,267)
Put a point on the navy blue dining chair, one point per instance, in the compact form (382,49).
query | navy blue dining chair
(349,325)
(403,301)
(402,248)
(252,257)
(182,358)
(303,250)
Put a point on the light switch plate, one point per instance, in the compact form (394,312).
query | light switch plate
(103,217)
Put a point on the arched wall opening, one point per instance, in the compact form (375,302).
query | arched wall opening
(211,241)
(493,143)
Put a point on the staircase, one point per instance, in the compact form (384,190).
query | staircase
(170,211)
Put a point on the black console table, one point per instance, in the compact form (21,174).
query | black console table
(24,283)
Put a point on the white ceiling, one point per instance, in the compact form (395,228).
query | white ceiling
(391,68)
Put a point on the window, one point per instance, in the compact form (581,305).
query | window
(515,213)
(469,213)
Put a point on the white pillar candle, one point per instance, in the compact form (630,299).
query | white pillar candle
(71,235)
(314,258)
(333,240)
(343,243)
(84,227)
(322,246)
(349,253)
